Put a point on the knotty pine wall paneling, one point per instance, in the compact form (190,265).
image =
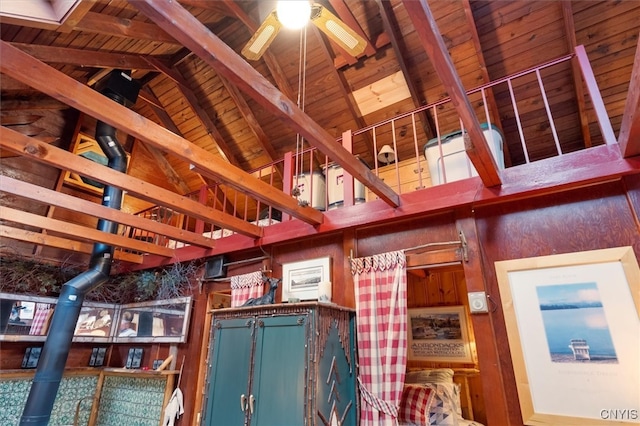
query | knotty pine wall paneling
(590,218)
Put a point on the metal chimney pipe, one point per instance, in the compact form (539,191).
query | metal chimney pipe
(44,388)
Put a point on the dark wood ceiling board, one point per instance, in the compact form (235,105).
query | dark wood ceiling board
(83,57)
(272,64)
(588,13)
(135,187)
(24,34)
(122,27)
(215,6)
(60,243)
(335,78)
(477,148)
(596,37)
(345,14)
(492,15)
(418,96)
(13,61)
(251,121)
(373,69)
(200,113)
(238,71)
(602,64)
(145,166)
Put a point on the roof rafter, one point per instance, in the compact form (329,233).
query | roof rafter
(387,15)
(268,57)
(629,138)
(100,23)
(185,27)
(13,62)
(47,154)
(476,144)
(183,86)
(84,57)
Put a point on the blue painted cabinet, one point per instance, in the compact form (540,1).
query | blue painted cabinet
(282,365)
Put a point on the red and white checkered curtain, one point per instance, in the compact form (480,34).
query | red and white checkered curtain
(40,321)
(245,287)
(381,312)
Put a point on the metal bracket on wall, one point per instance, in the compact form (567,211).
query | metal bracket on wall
(463,242)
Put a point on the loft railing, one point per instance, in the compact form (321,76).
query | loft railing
(505,107)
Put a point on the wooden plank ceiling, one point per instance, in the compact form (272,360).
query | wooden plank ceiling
(209,116)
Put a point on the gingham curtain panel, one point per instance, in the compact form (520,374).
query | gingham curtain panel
(40,319)
(245,287)
(381,312)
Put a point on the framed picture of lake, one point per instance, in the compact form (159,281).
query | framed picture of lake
(574,333)
(301,279)
(439,334)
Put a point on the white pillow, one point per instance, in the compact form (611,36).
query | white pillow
(431,376)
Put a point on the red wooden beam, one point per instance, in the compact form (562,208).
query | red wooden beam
(629,139)
(178,22)
(476,147)
(553,175)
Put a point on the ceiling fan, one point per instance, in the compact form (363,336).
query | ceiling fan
(321,17)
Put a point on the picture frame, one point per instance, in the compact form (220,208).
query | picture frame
(300,280)
(574,335)
(439,334)
(134,358)
(97,357)
(31,357)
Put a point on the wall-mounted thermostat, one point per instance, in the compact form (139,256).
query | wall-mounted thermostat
(478,302)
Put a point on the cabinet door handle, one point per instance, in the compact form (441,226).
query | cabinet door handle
(251,401)
(243,402)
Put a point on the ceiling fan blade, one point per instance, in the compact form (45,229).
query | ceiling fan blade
(337,30)
(262,38)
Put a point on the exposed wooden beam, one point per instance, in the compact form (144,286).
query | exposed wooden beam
(101,23)
(251,120)
(83,7)
(386,12)
(347,17)
(554,175)
(78,205)
(41,239)
(172,175)
(192,99)
(491,103)
(33,104)
(13,62)
(192,34)
(84,57)
(434,258)
(629,138)
(475,142)
(269,58)
(82,233)
(65,160)
(215,6)
(346,94)
(570,32)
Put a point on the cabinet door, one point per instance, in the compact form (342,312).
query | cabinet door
(229,372)
(280,371)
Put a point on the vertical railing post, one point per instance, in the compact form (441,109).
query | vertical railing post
(347,178)
(202,199)
(596,98)
(287,180)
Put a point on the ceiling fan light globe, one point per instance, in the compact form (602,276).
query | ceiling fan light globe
(293,14)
